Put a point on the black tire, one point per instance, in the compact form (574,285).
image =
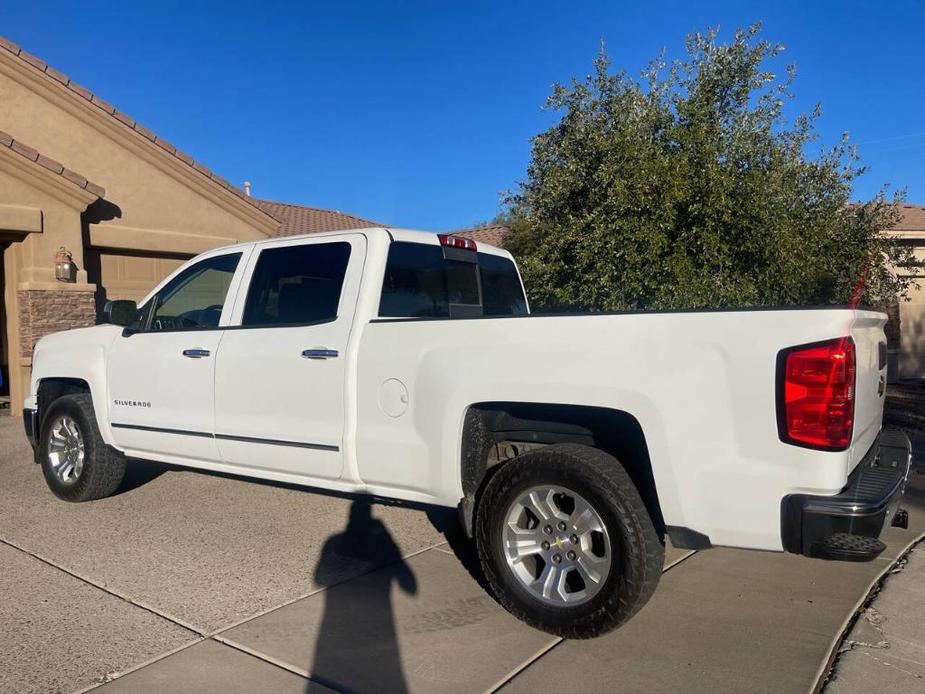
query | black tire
(637,551)
(103,466)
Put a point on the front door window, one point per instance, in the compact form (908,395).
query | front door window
(193,300)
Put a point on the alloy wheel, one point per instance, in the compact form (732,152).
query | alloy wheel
(556,544)
(65,449)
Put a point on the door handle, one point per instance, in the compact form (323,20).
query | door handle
(196,353)
(319,353)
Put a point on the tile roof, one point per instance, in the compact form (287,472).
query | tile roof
(493,235)
(300,219)
(913,218)
(106,107)
(7,140)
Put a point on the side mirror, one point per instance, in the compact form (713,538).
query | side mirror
(121,312)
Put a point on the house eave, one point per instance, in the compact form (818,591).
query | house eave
(45,180)
(59,95)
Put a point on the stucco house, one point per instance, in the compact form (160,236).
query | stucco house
(906,331)
(79,176)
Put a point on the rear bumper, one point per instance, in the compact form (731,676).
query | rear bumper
(835,527)
(30,422)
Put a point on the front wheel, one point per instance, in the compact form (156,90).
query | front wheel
(76,462)
(566,541)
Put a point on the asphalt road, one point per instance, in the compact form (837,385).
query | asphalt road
(186,581)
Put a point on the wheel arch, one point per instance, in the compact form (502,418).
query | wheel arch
(614,431)
(50,388)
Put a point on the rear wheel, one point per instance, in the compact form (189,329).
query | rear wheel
(76,462)
(566,541)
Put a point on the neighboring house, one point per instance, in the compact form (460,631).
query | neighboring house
(124,203)
(908,337)
(494,235)
(299,219)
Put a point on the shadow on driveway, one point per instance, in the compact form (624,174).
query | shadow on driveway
(357,640)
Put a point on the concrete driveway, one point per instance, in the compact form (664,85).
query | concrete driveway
(187,581)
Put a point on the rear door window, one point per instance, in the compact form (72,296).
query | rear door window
(296,285)
(420,283)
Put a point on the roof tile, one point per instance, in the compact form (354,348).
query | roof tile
(221,181)
(25,150)
(33,60)
(10,46)
(124,118)
(494,235)
(184,157)
(144,131)
(57,74)
(105,105)
(163,144)
(299,219)
(79,89)
(74,178)
(98,191)
(912,219)
(49,164)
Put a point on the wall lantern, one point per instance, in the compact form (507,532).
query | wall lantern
(64,266)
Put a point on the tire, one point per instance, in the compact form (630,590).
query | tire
(575,607)
(100,471)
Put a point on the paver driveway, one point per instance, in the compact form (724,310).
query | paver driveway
(220,584)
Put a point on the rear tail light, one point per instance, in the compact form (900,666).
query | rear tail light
(815,394)
(457,242)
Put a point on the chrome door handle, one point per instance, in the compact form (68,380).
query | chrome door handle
(319,353)
(196,353)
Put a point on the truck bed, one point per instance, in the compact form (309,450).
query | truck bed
(701,385)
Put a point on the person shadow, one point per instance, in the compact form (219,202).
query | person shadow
(356,648)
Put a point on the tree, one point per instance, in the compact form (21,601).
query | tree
(691,188)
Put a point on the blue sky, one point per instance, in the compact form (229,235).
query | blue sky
(420,113)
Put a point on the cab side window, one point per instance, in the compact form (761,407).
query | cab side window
(296,285)
(194,299)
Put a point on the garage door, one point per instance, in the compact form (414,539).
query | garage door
(131,276)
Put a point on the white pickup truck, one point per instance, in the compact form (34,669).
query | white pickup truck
(406,365)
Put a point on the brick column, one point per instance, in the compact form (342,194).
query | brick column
(45,311)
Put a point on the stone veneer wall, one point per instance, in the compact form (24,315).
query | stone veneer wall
(47,311)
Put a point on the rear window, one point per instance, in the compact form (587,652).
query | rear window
(420,283)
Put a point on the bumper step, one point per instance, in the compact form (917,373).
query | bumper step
(846,525)
(845,547)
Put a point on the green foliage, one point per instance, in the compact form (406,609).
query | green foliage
(690,188)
